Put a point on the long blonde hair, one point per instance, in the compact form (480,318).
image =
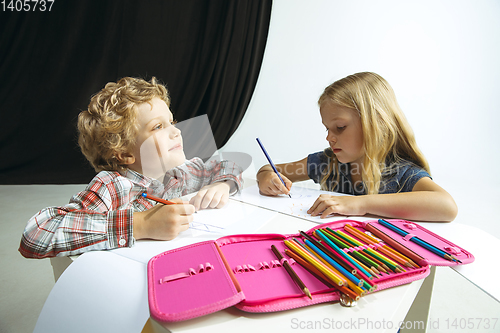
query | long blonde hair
(109,125)
(387,134)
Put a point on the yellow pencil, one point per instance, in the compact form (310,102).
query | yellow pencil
(319,265)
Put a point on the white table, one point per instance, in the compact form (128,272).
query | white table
(106,292)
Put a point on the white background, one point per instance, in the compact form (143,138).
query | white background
(442,58)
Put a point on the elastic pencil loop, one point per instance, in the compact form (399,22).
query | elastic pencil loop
(251,268)
(410,226)
(355,248)
(191,272)
(291,261)
(264,265)
(453,250)
(245,268)
(275,263)
(174,277)
(408,237)
(376,245)
(238,269)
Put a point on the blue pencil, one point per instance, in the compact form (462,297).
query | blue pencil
(341,269)
(418,241)
(271,162)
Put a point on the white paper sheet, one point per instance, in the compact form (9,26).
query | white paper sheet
(234,218)
(302,199)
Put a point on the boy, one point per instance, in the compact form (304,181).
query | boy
(129,136)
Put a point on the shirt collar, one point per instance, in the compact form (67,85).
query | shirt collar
(143,180)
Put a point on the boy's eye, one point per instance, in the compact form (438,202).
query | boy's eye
(340,128)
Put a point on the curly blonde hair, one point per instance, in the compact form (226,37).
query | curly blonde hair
(109,126)
(387,134)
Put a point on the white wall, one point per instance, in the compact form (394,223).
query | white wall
(442,57)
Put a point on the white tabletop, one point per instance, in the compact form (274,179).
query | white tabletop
(106,291)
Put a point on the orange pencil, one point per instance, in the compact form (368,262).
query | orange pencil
(320,276)
(409,262)
(160,200)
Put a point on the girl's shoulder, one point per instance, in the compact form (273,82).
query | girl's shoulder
(323,156)
(401,176)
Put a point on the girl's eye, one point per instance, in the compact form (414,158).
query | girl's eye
(340,128)
(173,122)
(158,127)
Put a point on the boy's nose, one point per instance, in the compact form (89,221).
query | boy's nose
(175,132)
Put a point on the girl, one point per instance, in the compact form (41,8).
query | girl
(373,156)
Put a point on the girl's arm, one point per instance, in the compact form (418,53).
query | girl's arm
(270,184)
(426,202)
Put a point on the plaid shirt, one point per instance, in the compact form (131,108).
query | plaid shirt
(101,216)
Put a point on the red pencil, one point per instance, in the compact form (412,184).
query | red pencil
(160,200)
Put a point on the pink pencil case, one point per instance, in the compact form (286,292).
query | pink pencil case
(242,271)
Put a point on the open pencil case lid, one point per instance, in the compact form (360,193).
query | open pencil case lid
(242,271)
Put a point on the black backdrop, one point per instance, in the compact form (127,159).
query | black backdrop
(207,52)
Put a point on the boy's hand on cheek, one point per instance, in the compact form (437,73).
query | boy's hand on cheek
(326,205)
(163,222)
(214,195)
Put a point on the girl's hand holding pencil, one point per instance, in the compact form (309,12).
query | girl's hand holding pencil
(270,183)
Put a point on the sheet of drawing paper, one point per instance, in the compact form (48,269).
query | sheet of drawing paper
(234,218)
(209,224)
(302,199)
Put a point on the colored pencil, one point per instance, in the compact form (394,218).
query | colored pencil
(271,162)
(419,241)
(338,250)
(394,244)
(315,262)
(310,268)
(366,274)
(386,262)
(331,253)
(160,200)
(320,276)
(291,272)
(339,268)
(364,257)
(380,247)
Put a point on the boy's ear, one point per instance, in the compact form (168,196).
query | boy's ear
(125,158)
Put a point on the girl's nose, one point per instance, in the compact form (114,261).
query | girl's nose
(331,138)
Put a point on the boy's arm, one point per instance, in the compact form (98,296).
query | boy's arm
(194,175)
(85,224)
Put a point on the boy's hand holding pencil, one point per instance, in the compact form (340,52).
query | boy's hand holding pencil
(164,221)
